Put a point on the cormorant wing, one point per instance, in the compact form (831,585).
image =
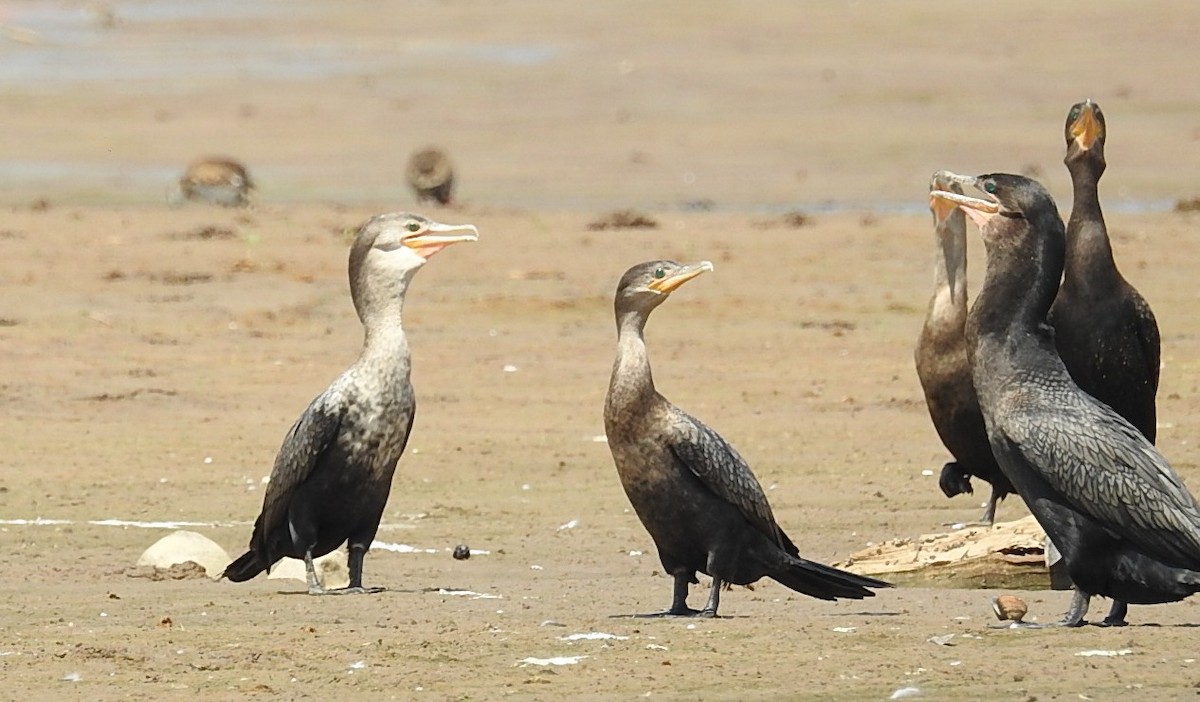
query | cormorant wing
(308,439)
(723,471)
(1148,336)
(1107,470)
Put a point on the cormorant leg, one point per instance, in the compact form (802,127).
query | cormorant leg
(1116,615)
(314,585)
(989,511)
(355,563)
(714,599)
(1078,610)
(679,606)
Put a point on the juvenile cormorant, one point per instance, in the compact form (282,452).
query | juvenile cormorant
(431,176)
(1105,332)
(334,471)
(695,495)
(1126,525)
(944,365)
(215,180)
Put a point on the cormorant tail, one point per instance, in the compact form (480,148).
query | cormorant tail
(245,567)
(825,582)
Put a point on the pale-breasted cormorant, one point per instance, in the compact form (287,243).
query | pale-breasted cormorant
(1105,332)
(334,471)
(944,365)
(695,495)
(1124,522)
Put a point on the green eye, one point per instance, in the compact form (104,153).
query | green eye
(989,188)
(660,273)
(413,226)
(1074,114)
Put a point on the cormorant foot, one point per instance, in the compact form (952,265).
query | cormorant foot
(1108,621)
(968,525)
(351,591)
(1071,623)
(1019,625)
(953,481)
(684,612)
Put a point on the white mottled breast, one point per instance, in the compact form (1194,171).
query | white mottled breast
(379,410)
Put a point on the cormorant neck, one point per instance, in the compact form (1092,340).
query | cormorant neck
(1089,251)
(1020,283)
(632,380)
(381,310)
(949,300)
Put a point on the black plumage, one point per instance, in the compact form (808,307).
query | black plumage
(695,495)
(1104,329)
(1126,525)
(333,474)
(944,365)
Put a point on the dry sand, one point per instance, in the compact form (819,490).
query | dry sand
(154,358)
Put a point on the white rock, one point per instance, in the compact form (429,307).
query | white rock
(182,546)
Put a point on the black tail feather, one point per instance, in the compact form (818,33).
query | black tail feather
(245,567)
(825,582)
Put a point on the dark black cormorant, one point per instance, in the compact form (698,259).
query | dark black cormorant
(334,471)
(216,180)
(944,364)
(431,176)
(695,495)
(1104,330)
(1126,525)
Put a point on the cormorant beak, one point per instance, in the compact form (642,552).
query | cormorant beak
(978,209)
(679,277)
(1086,129)
(942,208)
(438,236)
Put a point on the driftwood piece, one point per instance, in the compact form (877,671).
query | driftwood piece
(1009,555)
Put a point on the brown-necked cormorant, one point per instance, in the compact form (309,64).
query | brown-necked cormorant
(695,495)
(1105,332)
(431,176)
(1126,525)
(944,365)
(334,471)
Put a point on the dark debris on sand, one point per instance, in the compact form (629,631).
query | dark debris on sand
(622,219)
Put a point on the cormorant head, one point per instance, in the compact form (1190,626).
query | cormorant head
(646,285)
(389,248)
(1085,132)
(1012,206)
(942,209)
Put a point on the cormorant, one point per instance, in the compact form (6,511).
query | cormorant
(215,180)
(431,175)
(334,471)
(1125,523)
(695,495)
(944,365)
(1105,332)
